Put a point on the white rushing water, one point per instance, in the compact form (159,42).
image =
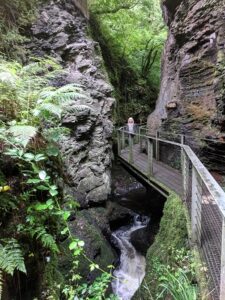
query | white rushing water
(131,270)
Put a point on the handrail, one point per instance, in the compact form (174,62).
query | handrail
(199,190)
(184,134)
(214,188)
(204,197)
(152,137)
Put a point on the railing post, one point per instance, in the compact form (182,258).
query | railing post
(140,140)
(196,207)
(131,157)
(185,174)
(118,143)
(150,157)
(157,146)
(123,140)
(185,170)
(222,271)
(182,139)
(139,134)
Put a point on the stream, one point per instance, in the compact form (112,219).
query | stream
(131,270)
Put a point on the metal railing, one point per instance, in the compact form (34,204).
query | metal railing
(175,166)
(211,151)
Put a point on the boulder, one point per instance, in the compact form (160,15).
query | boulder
(88,227)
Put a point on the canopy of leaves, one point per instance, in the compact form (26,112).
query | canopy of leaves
(132,36)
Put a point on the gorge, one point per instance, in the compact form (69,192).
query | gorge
(75,224)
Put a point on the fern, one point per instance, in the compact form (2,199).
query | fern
(7,203)
(51,108)
(64,93)
(11,257)
(79,108)
(23,133)
(45,238)
(1,284)
(7,78)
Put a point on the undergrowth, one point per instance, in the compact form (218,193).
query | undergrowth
(34,212)
(170,272)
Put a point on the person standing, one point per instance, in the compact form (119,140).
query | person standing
(130,125)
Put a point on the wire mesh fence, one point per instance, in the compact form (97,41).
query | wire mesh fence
(177,167)
(205,200)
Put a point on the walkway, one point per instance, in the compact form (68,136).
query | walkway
(162,172)
(173,167)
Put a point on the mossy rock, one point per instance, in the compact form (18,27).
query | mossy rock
(97,248)
(173,234)
(52,280)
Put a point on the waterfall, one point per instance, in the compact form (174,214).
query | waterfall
(131,271)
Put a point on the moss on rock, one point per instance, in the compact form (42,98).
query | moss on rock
(172,235)
(52,280)
(87,227)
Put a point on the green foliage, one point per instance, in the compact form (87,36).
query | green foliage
(45,238)
(169,251)
(177,285)
(8,202)
(96,290)
(11,257)
(49,211)
(26,95)
(64,93)
(15,16)
(23,133)
(110,6)
(1,284)
(20,86)
(176,278)
(131,34)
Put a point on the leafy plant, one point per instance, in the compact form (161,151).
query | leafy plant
(177,285)
(11,257)
(174,279)
(20,86)
(23,133)
(45,238)
(31,113)
(1,284)
(96,290)
(15,16)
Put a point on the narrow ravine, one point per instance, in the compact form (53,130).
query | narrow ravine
(131,271)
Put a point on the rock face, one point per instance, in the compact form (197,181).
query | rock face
(88,226)
(192,95)
(61,31)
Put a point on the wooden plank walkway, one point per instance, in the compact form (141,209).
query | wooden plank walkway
(209,230)
(163,173)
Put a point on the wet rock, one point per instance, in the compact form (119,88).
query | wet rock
(118,215)
(88,227)
(89,183)
(60,31)
(192,69)
(142,238)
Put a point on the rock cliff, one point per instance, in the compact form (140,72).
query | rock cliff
(192,95)
(62,32)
